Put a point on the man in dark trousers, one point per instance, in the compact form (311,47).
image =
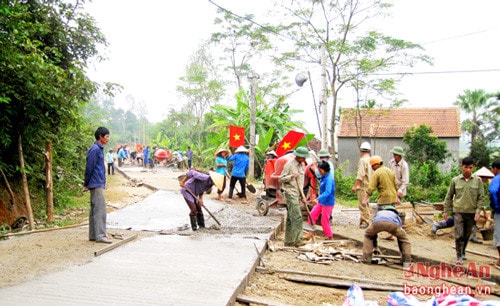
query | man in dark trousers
(95,181)
(465,199)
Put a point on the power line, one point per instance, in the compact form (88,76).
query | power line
(265,28)
(459,36)
(439,72)
(271,30)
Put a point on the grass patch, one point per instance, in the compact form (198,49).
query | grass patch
(347,202)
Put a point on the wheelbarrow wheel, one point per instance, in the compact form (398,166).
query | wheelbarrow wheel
(262,207)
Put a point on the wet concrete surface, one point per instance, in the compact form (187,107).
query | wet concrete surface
(175,267)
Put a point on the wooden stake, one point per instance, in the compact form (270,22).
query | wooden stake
(341,284)
(351,279)
(114,245)
(48,186)
(480,254)
(251,300)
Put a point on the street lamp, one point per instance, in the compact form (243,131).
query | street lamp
(300,79)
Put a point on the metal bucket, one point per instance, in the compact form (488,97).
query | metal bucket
(487,234)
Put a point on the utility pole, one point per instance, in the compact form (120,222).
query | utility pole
(253,77)
(323,101)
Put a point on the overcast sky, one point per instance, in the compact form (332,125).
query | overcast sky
(151,42)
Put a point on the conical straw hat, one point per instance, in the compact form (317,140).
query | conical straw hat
(221,150)
(484,172)
(241,149)
(217,178)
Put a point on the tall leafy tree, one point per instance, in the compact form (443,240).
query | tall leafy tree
(354,56)
(424,153)
(201,86)
(484,114)
(44,47)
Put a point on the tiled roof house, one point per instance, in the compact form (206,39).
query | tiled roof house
(384,129)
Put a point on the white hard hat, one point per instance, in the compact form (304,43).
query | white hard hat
(365,146)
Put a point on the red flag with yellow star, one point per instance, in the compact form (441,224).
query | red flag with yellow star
(288,142)
(236,136)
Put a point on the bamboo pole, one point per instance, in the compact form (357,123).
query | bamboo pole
(43,230)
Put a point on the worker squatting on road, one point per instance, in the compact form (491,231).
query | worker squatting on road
(387,220)
(193,185)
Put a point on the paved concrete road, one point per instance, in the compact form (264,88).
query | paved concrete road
(208,267)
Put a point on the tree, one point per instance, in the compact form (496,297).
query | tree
(484,111)
(353,58)
(201,86)
(274,117)
(44,47)
(424,154)
(480,152)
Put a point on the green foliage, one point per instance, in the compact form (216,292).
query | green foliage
(44,47)
(419,190)
(343,185)
(484,110)
(481,153)
(4,228)
(425,152)
(423,147)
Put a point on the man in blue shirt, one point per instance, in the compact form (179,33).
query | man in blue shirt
(494,189)
(95,181)
(239,173)
(387,220)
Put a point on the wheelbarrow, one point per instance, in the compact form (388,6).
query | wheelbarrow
(273,197)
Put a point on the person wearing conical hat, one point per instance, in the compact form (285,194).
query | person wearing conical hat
(400,168)
(485,174)
(193,185)
(221,168)
(241,163)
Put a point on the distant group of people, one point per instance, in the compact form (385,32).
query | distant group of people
(463,203)
(145,156)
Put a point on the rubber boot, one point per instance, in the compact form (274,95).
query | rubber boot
(473,236)
(459,249)
(438,225)
(194,226)
(201,220)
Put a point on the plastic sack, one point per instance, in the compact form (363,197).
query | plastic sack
(401,299)
(460,300)
(355,297)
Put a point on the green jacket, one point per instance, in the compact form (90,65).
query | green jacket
(465,196)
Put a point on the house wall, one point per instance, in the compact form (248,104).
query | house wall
(348,152)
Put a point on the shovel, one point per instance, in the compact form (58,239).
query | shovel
(197,200)
(250,187)
(303,197)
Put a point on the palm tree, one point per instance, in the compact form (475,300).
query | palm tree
(480,105)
